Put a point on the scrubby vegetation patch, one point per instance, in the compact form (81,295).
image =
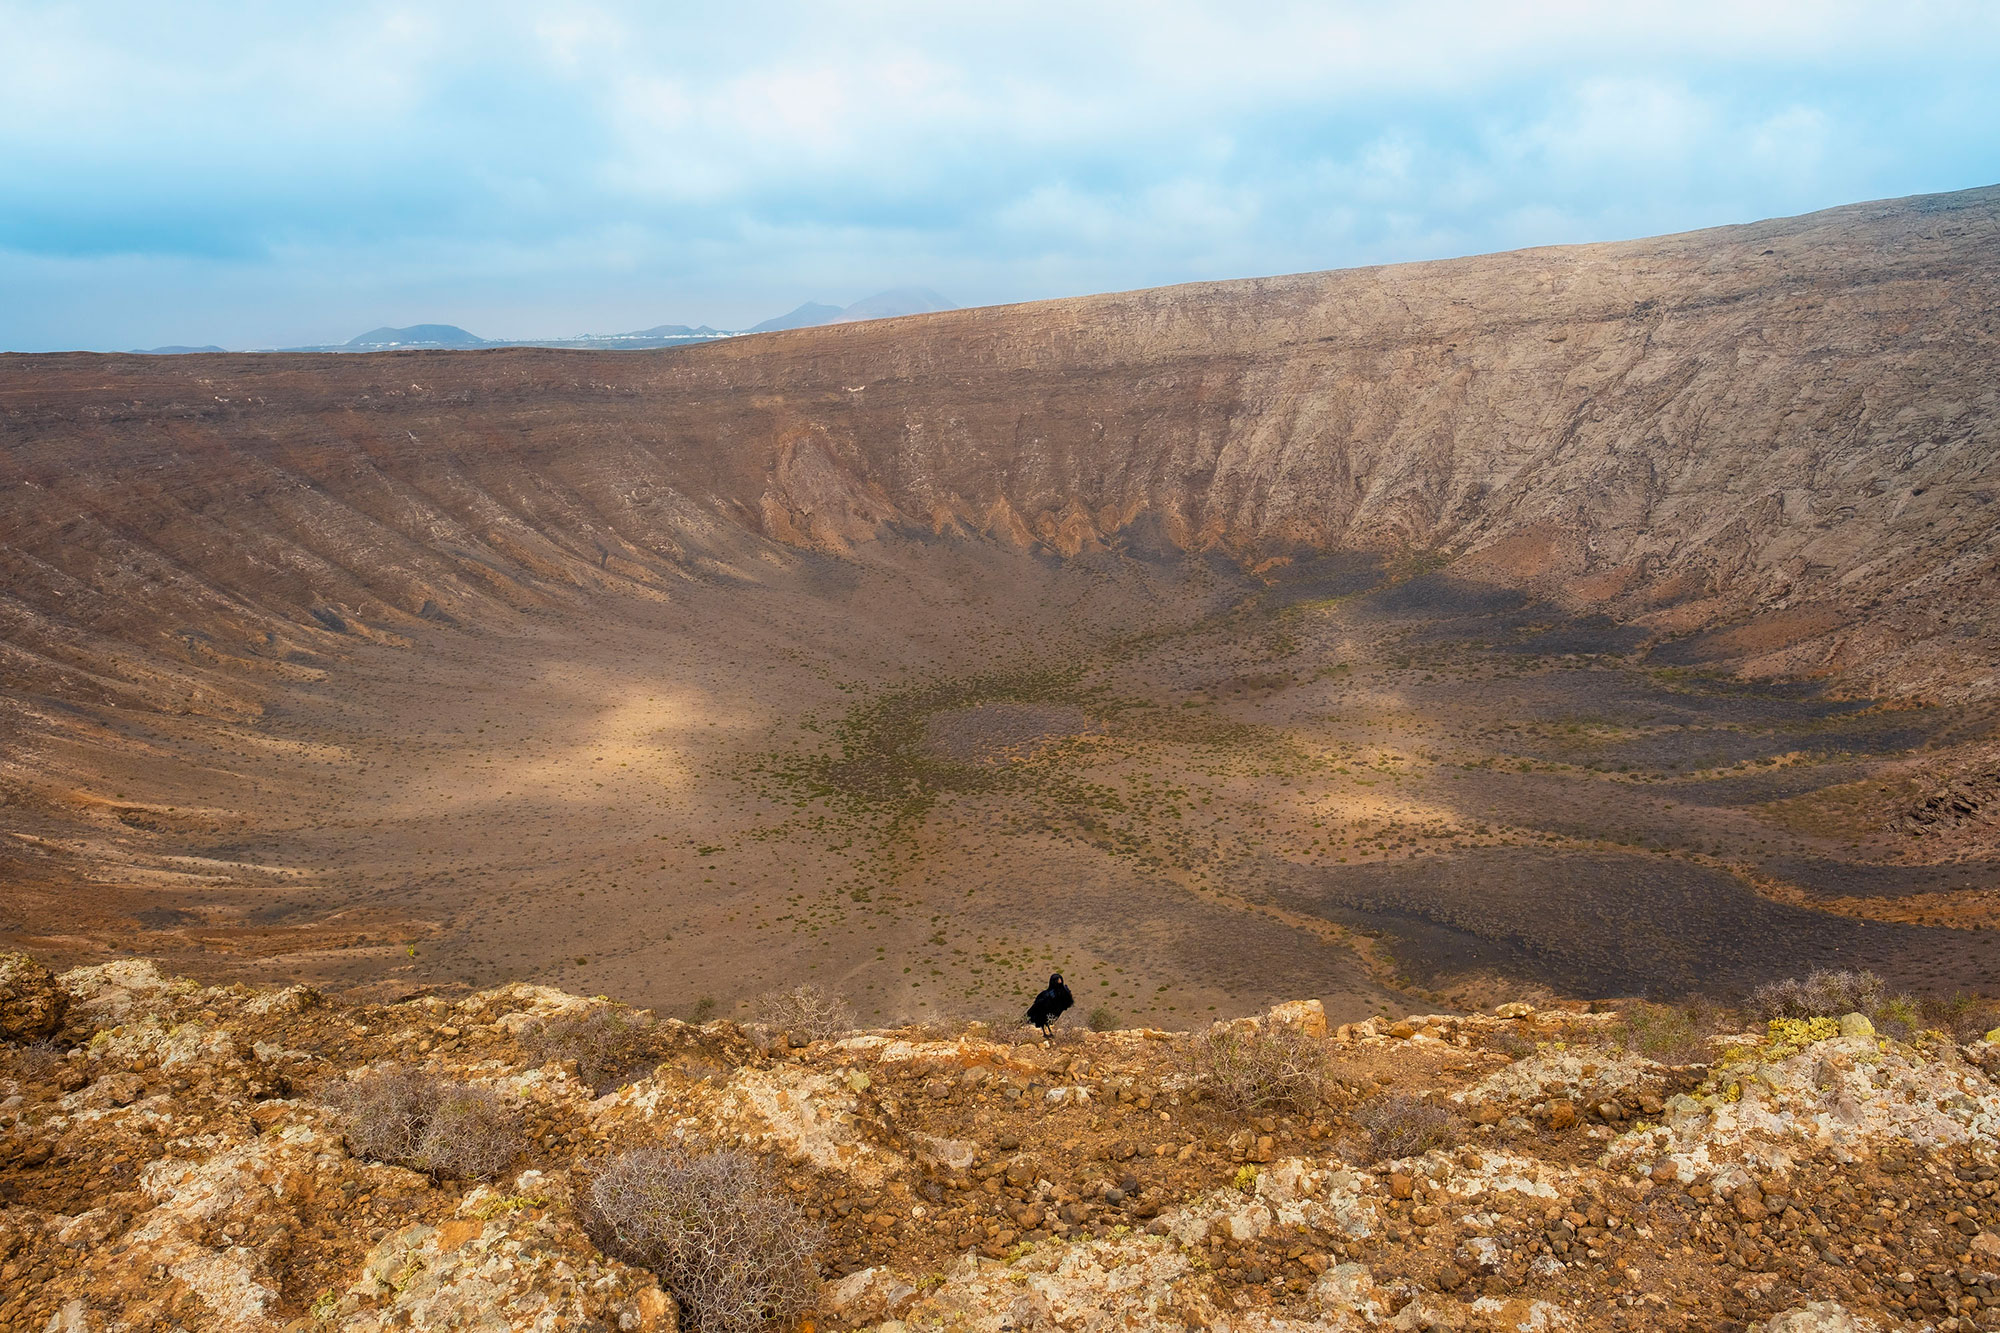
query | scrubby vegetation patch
(1276,1067)
(737,1257)
(448,1129)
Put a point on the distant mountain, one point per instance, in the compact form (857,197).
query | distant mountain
(896,301)
(172,351)
(810,315)
(882,305)
(450,337)
(416,335)
(672,331)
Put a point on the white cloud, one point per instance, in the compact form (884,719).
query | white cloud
(746,157)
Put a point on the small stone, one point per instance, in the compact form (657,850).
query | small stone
(1403,1031)
(1402,1186)
(266,1114)
(654,1311)
(1856,1025)
(116,1090)
(1515,1009)
(1664,1172)
(1561,1113)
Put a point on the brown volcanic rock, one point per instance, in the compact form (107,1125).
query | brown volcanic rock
(1778,435)
(31,1004)
(955,1180)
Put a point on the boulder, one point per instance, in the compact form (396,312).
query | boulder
(1818,1317)
(115,992)
(1308,1016)
(31,1004)
(868,1296)
(506,1261)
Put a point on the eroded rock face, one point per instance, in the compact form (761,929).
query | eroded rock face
(1790,420)
(506,1260)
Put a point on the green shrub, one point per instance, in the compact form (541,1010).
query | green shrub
(1674,1034)
(1964,1017)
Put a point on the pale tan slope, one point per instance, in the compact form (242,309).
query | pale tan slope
(1792,421)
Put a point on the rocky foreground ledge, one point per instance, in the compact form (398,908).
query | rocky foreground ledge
(171,1157)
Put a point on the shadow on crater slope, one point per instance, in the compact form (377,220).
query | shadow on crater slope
(1620,925)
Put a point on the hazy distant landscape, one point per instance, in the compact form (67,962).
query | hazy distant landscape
(435,337)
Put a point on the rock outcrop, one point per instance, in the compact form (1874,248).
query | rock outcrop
(31,1004)
(172,1161)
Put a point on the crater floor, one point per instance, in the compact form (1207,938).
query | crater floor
(930,774)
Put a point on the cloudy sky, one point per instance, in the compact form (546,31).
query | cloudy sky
(259,175)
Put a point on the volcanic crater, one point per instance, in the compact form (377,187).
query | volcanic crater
(1606,619)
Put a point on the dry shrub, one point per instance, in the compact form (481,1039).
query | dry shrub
(1964,1017)
(606,1044)
(1013,1032)
(1510,1042)
(35,1062)
(1271,1068)
(472,1134)
(1829,994)
(410,1118)
(1061,1034)
(1674,1034)
(1402,1126)
(1102,1019)
(806,1011)
(1823,993)
(714,1229)
(927,1029)
(384,1111)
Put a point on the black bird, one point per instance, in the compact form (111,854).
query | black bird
(1050,1004)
